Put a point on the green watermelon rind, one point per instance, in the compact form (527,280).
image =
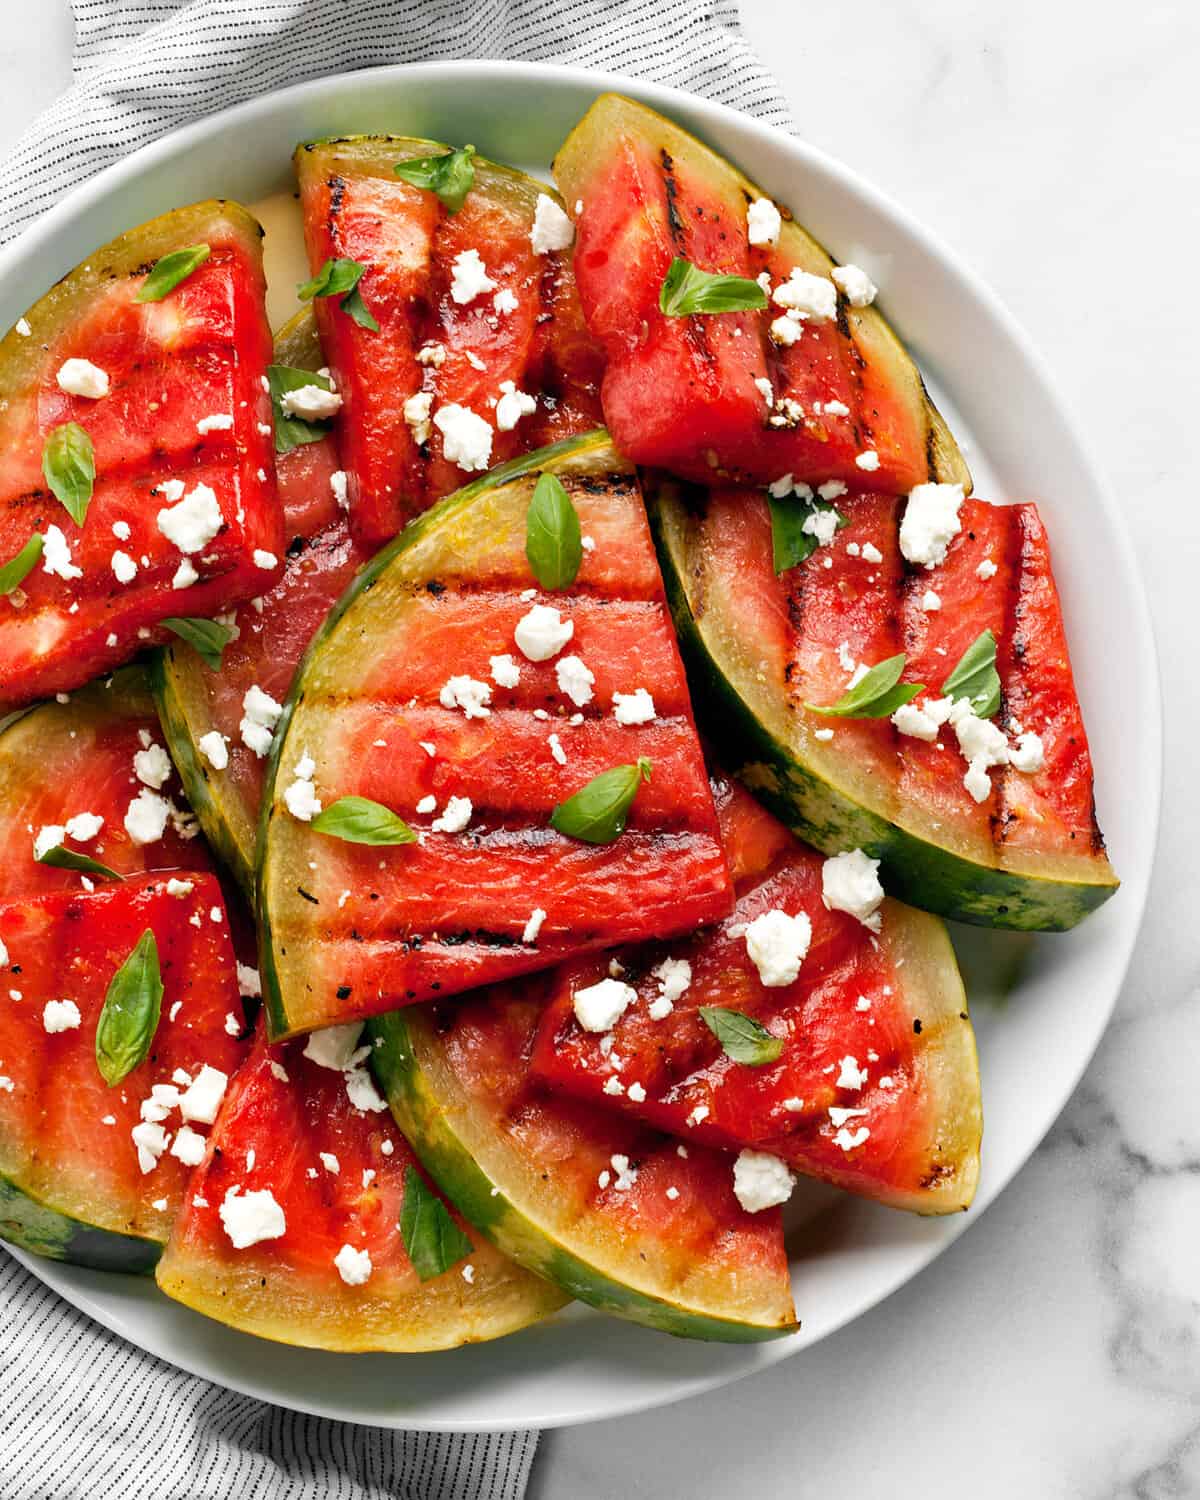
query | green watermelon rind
(915,870)
(557,456)
(34,1226)
(424,1120)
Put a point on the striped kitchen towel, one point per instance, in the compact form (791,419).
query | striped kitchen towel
(85,1414)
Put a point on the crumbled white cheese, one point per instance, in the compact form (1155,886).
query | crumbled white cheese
(552,229)
(249,981)
(192,522)
(84,827)
(23,328)
(930,601)
(911,720)
(217,422)
(832,489)
(986,569)
(777,943)
(311,403)
(542,633)
(575,679)
(512,406)
(185,576)
(80,377)
(821,524)
(215,749)
(150,1139)
(855,285)
(146,817)
(416,413)
(850,883)
(260,714)
(251,1217)
(469,278)
(330,1162)
(871,553)
(849,1139)
(1028,755)
(354,1266)
(466,437)
(454,816)
(851,1076)
(123,566)
(785,330)
(761,1181)
(334,1046)
(633,708)
(674,975)
(813,297)
(598,1007)
(362,1093)
(467,693)
(504,301)
(261,558)
(763,222)
(301,800)
(427,805)
(505,672)
(152,766)
(188,1146)
(556,749)
(534,925)
(61,1015)
(56,555)
(201,1101)
(930,523)
(868,460)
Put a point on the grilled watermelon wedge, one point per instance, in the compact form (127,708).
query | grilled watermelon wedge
(876,1088)
(759,646)
(185,405)
(273,631)
(617,1214)
(712,397)
(356,208)
(62,761)
(338,1174)
(352,929)
(71,1183)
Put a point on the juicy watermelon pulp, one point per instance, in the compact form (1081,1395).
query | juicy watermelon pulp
(200,352)
(70,1182)
(355,207)
(760,646)
(617,1214)
(288,1126)
(892,1006)
(351,930)
(686,393)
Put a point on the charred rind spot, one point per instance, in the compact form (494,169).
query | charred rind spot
(337,193)
(432,586)
(916,1028)
(308,896)
(671,188)
(939,1171)
(480,935)
(343,992)
(296,546)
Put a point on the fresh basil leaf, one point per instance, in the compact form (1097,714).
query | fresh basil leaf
(450,176)
(686,289)
(741,1037)
(790,542)
(166,274)
(334,279)
(358,820)
(354,307)
(975,677)
(877,695)
(129,1018)
(207,637)
(18,568)
(553,543)
(69,464)
(291,432)
(597,812)
(68,859)
(433,1240)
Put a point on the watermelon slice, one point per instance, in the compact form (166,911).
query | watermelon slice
(761,646)
(349,929)
(340,1181)
(617,1214)
(356,208)
(713,397)
(877,1087)
(76,759)
(185,406)
(273,631)
(71,1183)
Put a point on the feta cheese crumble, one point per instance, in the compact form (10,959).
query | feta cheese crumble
(930,523)
(260,714)
(469,278)
(56,555)
(542,633)
(188,1146)
(146,817)
(61,1015)
(575,679)
(512,406)
(249,1218)
(761,1181)
(633,708)
(311,403)
(84,827)
(201,1100)
(152,766)
(454,817)
(215,749)
(855,285)
(850,883)
(598,1007)
(416,413)
(763,222)
(505,672)
(467,693)
(217,422)
(123,566)
(80,377)
(192,522)
(534,925)
(334,1047)
(504,301)
(777,943)
(986,569)
(466,437)
(813,297)
(552,229)
(354,1266)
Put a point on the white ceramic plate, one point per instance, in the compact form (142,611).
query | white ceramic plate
(1039,1004)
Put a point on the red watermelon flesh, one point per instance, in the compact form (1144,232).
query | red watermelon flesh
(873,1027)
(289,1127)
(200,353)
(355,207)
(64,1132)
(713,397)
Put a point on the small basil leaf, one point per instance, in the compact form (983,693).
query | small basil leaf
(596,814)
(433,1240)
(166,274)
(67,859)
(741,1037)
(358,820)
(975,677)
(17,569)
(553,543)
(354,307)
(207,637)
(129,1018)
(451,176)
(686,289)
(790,542)
(334,279)
(69,464)
(291,432)
(877,695)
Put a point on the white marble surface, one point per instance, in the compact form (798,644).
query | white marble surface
(1052,1354)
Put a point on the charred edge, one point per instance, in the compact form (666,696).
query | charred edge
(337,194)
(931,439)
(1017,556)
(695,330)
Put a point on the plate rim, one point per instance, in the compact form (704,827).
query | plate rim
(43,232)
